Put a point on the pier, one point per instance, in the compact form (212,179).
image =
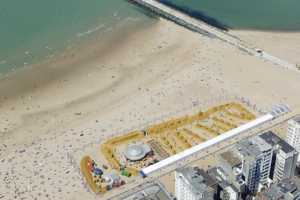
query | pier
(199,26)
(190,23)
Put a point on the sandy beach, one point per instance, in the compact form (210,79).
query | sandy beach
(285,45)
(48,112)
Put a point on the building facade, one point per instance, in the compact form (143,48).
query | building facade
(194,184)
(229,193)
(293,133)
(252,173)
(248,164)
(285,165)
(227,189)
(267,153)
(284,158)
(146,191)
(286,189)
(256,163)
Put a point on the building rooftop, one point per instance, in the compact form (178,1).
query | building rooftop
(224,180)
(136,152)
(199,180)
(219,176)
(286,189)
(272,139)
(261,143)
(248,149)
(297,118)
(148,191)
(231,158)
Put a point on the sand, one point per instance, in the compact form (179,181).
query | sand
(285,45)
(51,111)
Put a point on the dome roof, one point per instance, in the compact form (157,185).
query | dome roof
(136,152)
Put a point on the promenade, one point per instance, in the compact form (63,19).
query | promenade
(209,151)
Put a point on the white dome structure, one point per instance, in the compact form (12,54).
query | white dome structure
(135,152)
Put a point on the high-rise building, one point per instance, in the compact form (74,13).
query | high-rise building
(192,183)
(293,133)
(284,158)
(229,193)
(256,165)
(227,189)
(267,151)
(230,169)
(248,165)
(286,189)
(251,171)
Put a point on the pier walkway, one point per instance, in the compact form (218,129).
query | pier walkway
(207,30)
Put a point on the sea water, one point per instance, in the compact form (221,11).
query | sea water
(34,30)
(271,15)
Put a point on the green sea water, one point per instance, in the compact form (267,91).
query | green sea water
(34,30)
(278,15)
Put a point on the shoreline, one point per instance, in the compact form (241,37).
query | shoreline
(127,25)
(126,82)
(91,48)
(50,75)
(72,66)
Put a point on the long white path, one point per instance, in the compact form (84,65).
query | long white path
(201,147)
(205,29)
(279,118)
